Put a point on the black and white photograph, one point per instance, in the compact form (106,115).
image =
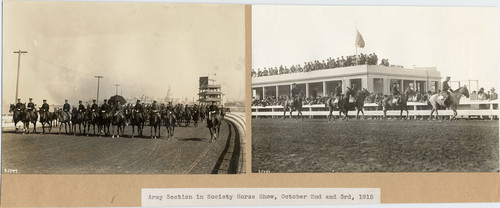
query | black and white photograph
(123,88)
(374,89)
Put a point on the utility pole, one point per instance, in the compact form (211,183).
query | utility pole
(116,86)
(98,80)
(19,52)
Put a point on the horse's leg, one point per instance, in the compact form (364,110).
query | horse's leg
(454,115)
(151,131)
(357,113)
(330,115)
(284,113)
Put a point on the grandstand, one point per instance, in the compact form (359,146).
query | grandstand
(375,78)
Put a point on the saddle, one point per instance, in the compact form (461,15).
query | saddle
(442,99)
(396,100)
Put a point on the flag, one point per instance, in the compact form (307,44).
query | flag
(359,40)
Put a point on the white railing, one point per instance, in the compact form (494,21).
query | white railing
(466,109)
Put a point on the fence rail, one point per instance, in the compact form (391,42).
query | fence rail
(467,109)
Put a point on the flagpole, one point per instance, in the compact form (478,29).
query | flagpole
(355,42)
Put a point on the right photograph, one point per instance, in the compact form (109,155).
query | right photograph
(374,89)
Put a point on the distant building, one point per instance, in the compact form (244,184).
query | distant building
(209,91)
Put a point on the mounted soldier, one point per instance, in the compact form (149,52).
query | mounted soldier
(81,107)
(67,108)
(295,92)
(337,94)
(20,106)
(138,107)
(445,92)
(45,106)
(105,106)
(31,105)
(154,108)
(396,95)
(94,107)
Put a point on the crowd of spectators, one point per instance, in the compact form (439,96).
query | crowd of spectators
(482,95)
(330,63)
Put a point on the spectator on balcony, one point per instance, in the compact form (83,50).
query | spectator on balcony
(481,95)
(473,95)
(494,95)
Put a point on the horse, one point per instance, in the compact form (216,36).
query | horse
(137,119)
(388,103)
(213,124)
(17,115)
(104,121)
(178,113)
(118,120)
(78,118)
(293,105)
(170,120)
(155,122)
(195,114)
(46,119)
(92,119)
(330,103)
(64,118)
(202,113)
(187,116)
(345,103)
(451,102)
(360,101)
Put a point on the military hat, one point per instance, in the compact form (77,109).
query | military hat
(93,100)
(79,101)
(65,100)
(18,98)
(105,99)
(31,98)
(138,100)
(492,89)
(448,77)
(44,100)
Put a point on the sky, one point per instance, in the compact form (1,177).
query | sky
(144,47)
(462,42)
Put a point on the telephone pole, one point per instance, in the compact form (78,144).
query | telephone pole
(98,79)
(116,86)
(19,52)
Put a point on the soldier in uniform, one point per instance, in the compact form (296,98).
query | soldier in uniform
(294,92)
(395,93)
(446,90)
(212,109)
(31,105)
(170,107)
(94,107)
(338,94)
(19,106)
(45,106)
(105,106)
(154,108)
(138,107)
(66,107)
(81,107)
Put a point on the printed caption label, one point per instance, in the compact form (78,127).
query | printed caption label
(258,196)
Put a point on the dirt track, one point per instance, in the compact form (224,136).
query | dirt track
(189,152)
(374,146)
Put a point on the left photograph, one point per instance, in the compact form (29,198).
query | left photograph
(123,88)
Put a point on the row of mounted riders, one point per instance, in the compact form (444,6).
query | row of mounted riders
(354,100)
(119,117)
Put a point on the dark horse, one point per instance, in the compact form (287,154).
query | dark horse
(118,121)
(345,103)
(213,124)
(170,120)
(195,114)
(92,118)
(187,115)
(64,118)
(293,105)
(391,103)
(24,116)
(360,101)
(104,121)
(155,122)
(137,119)
(452,101)
(46,119)
(78,118)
